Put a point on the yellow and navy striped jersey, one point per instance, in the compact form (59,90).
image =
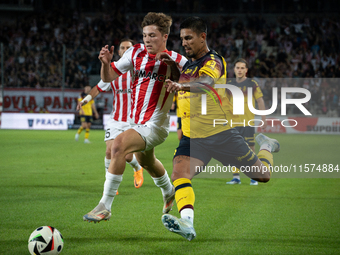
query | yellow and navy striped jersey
(244,85)
(194,123)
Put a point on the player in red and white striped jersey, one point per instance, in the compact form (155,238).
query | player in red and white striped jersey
(151,64)
(153,101)
(121,91)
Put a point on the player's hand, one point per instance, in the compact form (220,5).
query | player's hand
(96,115)
(165,57)
(172,86)
(80,104)
(105,55)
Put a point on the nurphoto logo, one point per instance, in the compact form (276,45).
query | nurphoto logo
(238,105)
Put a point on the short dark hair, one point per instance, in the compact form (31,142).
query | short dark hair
(161,20)
(127,40)
(196,24)
(241,60)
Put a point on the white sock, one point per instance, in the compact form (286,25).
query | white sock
(164,183)
(111,185)
(134,164)
(107,164)
(188,214)
(266,146)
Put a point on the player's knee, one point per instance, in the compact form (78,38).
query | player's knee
(117,149)
(265,179)
(176,174)
(129,157)
(262,179)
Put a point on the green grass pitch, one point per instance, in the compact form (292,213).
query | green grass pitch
(46,178)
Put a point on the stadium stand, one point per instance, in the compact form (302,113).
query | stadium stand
(303,45)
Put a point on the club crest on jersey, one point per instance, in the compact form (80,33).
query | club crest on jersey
(211,64)
(190,71)
(150,75)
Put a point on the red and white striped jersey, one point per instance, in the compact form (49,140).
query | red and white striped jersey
(150,100)
(121,90)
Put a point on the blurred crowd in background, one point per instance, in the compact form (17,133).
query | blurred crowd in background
(277,47)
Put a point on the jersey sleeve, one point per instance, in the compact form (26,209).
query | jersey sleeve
(256,90)
(103,86)
(212,67)
(125,63)
(179,59)
(183,61)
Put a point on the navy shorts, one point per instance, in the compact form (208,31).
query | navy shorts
(228,147)
(248,134)
(86,118)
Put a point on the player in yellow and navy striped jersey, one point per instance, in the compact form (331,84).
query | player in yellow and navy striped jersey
(202,140)
(86,115)
(247,129)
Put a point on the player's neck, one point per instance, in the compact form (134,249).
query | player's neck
(242,79)
(162,49)
(202,52)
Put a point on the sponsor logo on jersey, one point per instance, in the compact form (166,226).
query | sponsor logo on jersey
(154,76)
(124,91)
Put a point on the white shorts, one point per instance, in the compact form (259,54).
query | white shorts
(114,128)
(152,134)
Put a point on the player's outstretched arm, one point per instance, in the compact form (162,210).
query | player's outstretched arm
(93,93)
(80,104)
(199,85)
(106,72)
